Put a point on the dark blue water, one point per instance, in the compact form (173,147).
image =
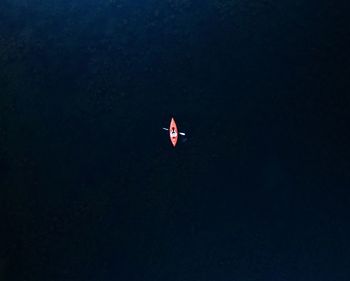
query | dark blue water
(91,188)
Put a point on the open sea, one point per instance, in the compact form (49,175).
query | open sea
(91,188)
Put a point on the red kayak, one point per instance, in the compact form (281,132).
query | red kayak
(173,132)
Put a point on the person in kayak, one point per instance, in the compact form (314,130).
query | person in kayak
(173,133)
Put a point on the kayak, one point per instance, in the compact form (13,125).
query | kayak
(173,132)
